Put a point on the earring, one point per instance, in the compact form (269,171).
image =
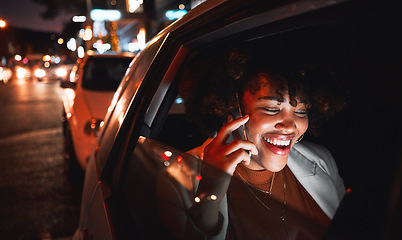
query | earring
(300,138)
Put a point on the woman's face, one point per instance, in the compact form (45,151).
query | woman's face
(274,126)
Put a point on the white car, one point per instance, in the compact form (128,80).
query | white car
(87,95)
(54,71)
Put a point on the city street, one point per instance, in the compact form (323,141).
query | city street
(39,199)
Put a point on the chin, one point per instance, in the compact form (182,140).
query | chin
(276,164)
(276,168)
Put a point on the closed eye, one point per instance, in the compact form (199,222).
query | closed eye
(271,111)
(301,113)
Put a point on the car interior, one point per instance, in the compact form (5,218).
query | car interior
(359,50)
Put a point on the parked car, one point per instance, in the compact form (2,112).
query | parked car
(92,83)
(146,134)
(22,72)
(64,68)
(5,74)
(53,71)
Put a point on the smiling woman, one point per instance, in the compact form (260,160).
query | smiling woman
(278,93)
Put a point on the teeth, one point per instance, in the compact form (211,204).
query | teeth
(277,142)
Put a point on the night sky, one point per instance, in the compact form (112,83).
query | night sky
(26,14)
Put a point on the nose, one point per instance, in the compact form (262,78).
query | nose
(286,126)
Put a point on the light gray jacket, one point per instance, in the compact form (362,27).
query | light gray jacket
(316,170)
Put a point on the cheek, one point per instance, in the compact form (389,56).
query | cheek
(258,125)
(302,126)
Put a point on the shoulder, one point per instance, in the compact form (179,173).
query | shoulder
(315,168)
(311,150)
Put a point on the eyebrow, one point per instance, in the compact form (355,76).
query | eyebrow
(272,98)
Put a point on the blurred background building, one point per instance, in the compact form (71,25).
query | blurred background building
(101,25)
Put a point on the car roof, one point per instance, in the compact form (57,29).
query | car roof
(94,54)
(207,8)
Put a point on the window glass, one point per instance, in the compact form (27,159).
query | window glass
(132,81)
(104,73)
(177,131)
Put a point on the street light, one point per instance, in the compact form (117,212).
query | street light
(105,15)
(111,15)
(3,23)
(79,19)
(87,34)
(17,57)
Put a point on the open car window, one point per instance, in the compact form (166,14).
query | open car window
(162,179)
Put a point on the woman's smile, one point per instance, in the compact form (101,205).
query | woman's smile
(279,145)
(281,141)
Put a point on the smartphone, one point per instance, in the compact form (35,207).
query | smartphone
(241,132)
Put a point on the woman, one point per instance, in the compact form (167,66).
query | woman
(262,182)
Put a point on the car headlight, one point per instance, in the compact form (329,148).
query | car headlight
(40,73)
(61,72)
(93,126)
(21,72)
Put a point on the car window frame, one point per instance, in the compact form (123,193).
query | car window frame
(110,135)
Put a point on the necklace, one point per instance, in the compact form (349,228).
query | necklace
(248,185)
(261,190)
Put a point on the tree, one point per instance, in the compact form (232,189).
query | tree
(56,7)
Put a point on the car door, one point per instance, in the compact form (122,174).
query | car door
(97,221)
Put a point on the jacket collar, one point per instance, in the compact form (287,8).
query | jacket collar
(300,164)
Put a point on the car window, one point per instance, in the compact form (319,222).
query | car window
(161,175)
(178,131)
(122,100)
(104,74)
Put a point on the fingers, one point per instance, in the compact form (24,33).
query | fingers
(241,144)
(228,163)
(227,156)
(226,130)
(234,159)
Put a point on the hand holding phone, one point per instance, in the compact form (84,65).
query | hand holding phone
(241,132)
(226,155)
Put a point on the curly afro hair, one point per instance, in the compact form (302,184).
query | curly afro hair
(213,79)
